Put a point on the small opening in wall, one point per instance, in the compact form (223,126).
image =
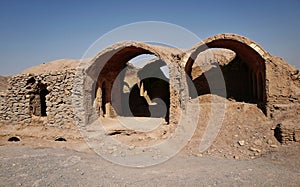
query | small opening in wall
(31,81)
(60,139)
(278,133)
(116,132)
(37,105)
(43,94)
(13,139)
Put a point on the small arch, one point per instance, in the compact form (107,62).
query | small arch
(14,139)
(60,139)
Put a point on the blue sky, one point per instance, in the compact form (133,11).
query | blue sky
(33,32)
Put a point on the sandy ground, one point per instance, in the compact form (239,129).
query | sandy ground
(39,160)
(41,166)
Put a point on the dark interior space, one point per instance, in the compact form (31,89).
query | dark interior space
(244,78)
(37,103)
(31,81)
(158,91)
(60,139)
(137,104)
(110,102)
(43,94)
(241,84)
(113,100)
(13,139)
(278,133)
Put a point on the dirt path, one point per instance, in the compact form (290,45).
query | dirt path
(27,166)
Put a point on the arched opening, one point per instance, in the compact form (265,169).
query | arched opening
(14,139)
(37,102)
(117,87)
(43,94)
(244,75)
(60,139)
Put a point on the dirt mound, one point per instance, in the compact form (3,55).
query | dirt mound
(55,65)
(245,133)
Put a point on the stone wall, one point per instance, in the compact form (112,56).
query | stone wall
(44,99)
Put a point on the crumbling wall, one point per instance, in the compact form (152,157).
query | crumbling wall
(44,99)
(287,131)
(283,96)
(179,92)
(3,106)
(283,90)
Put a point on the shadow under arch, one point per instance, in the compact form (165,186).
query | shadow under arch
(106,69)
(157,88)
(246,84)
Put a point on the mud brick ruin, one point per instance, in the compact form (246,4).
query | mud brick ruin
(252,76)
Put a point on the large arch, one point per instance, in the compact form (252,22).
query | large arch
(252,80)
(106,71)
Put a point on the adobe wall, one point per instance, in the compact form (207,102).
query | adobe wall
(283,87)
(283,94)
